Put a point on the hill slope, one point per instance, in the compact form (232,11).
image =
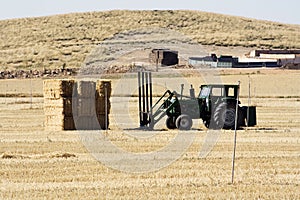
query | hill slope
(51,41)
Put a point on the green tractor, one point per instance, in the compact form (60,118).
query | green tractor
(216,105)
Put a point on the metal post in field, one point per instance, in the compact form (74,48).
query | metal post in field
(142,77)
(106,107)
(249,89)
(143,96)
(140,96)
(150,88)
(147,91)
(235,133)
(156,59)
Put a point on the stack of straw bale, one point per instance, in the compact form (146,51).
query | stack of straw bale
(58,104)
(80,106)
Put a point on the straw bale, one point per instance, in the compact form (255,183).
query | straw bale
(54,89)
(59,122)
(55,119)
(53,128)
(58,106)
(86,106)
(86,89)
(69,123)
(103,121)
(87,123)
(55,111)
(52,94)
(100,106)
(100,87)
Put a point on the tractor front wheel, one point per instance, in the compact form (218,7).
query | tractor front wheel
(184,122)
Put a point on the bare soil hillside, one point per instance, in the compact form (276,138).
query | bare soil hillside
(50,42)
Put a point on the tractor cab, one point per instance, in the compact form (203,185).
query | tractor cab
(219,91)
(215,94)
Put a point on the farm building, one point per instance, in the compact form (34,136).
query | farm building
(213,61)
(257,53)
(231,62)
(164,57)
(256,63)
(282,57)
(255,59)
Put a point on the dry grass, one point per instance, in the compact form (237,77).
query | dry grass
(38,164)
(51,41)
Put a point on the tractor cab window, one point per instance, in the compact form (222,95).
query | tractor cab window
(204,92)
(217,91)
(231,92)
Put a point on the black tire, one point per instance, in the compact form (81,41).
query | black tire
(171,123)
(224,116)
(206,123)
(184,122)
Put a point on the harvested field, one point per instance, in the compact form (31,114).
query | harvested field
(40,164)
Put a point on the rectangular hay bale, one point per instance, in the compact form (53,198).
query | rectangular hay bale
(100,105)
(87,123)
(59,122)
(59,106)
(86,89)
(85,107)
(103,121)
(57,88)
(100,88)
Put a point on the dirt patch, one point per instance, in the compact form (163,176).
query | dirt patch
(13,156)
(7,155)
(62,155)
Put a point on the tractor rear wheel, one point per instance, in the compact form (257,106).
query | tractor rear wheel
(171,122)
(184,122)
(224,116)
